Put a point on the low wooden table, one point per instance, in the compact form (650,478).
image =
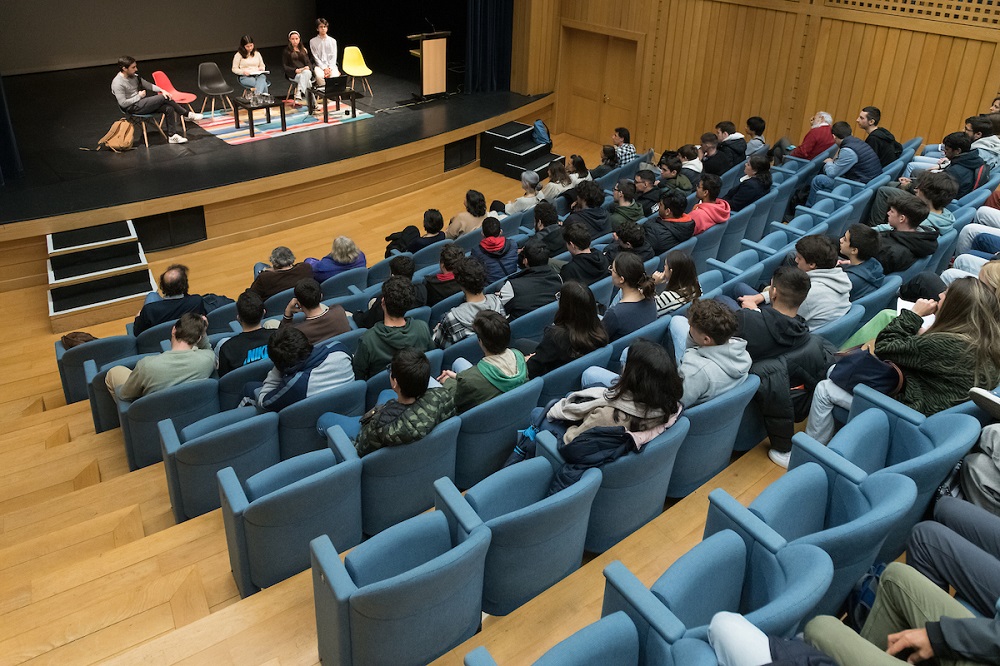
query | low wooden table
(248,106)
(337,97)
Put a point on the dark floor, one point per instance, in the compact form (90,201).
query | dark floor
(57,113)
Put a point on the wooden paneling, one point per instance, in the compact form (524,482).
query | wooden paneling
(535,48)
(927,66)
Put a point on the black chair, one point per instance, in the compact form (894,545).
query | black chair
(213,84)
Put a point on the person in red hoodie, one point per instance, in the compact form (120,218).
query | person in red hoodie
(497,254)
(817,139)
(710,210)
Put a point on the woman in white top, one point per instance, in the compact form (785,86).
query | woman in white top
(559,182)
(529,181)
(578,169)
(249,66)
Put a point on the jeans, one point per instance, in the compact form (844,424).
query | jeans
(350,424)
(737,642)
(153,103)
(303,81)
(988,216)
(259,83)
(821,183)
(966,265)
(826,396)
(921,162)
(971,232)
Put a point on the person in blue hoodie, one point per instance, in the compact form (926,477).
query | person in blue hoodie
(860,245)
(301,370)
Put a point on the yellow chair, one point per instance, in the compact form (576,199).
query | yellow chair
(354,66)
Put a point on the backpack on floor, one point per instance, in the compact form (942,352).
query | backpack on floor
(119,137)
(540,134)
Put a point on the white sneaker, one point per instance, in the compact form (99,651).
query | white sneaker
(195,116)
(988,401)
(778,458)
(177,138)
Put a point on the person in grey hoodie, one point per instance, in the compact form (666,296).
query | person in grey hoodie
(829,296)
(714,361)
(301,370)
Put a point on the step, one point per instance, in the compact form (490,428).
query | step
(101,235)
(509,131)
(88,265)
(537,163)
(522,149)
(77,306)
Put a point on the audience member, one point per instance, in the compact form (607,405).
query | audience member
(469,219)
(537,284)
(775,329)
(531,196)
(936,189)
(818,139)
(961,349)
(647,194)
(680,277)
(249,345)
(321,321)
(559,182)
(411,415)
(585,265)
(672,225)
(854,160)
(624,150)
(301,369)
(189,358)
(283,273)
(576,331)
(457,323)
(691,166)
(577,168)
(879,138)
(630,237)
(714,361)
(960,162)
(710,210)
(712,161)
(501,369)
(402,266)
(672,178)
(442,285)
(636,307)
(860,244)
(755,183)
(131,92)
(588,210)
(738,642)
(394,332)
(731,143)
(625,207)
(497,254)
(548,230)
(174,302)
(757,145)
(344,256)
(433,224)
(984,139)
(906,241)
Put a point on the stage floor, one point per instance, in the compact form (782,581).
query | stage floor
(56,113)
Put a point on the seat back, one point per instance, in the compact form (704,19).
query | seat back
(275,305)
(779,206)
(945,248)
(379,272)
(398,482)
(839,330)
(634,488)
(241,439)
(882,298)
(530,326)
(561,381)
(300,499)
(354,61)
(430,255)
(602,291)
(709,443)
(102,351)
(219,319)
(489,432)
(340,284)
(232,383)
(761,215)
(736,229)
(148,342)
(441,308)
(183,404)
(707,246)
(654,331)
(297,425)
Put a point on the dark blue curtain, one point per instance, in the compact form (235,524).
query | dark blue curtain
(491,24)
(10,160)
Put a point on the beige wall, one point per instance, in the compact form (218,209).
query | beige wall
(709,60)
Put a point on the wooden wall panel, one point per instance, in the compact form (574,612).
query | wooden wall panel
(535,48)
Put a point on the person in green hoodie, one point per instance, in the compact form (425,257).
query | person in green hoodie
(502,369)
(381,341)
(625,208)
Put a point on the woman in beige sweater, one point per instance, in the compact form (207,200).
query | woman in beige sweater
(249,66)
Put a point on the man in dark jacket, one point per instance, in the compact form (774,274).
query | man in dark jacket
(396,331)
(672,226)
(712,160)
(537,284)
(586,266)
(630,237)
(854,160)
(588,210)
(860,245)
(402,266)
(174,302)
(964,164)
(880,139)
(547,229)
(646,193)
(773,330)
(907,241)
(731,143)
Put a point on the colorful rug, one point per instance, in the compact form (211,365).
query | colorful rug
(220,123)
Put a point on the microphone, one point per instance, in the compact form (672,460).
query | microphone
(433,29)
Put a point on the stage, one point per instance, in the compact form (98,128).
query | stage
(57,113)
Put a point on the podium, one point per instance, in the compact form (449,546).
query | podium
(433,54)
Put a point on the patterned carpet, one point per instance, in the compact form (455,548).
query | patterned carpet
(221,124)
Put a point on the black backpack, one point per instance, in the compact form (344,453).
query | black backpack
(401,240)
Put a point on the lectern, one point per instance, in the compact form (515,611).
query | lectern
(433,54)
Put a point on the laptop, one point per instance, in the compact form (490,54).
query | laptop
(336,84)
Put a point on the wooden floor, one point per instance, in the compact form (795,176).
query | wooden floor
(92,567)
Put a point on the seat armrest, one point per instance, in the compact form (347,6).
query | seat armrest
(462,518)
(806,449)
(840,180)
(722,266)
(725,512)
(341,445)
(480,657)
(547,445)
(623,591)
(815,212)
(761,250)
(780,226)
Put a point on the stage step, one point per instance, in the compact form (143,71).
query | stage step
(96,274)
(510,149)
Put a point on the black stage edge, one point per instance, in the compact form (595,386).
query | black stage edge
(56,113)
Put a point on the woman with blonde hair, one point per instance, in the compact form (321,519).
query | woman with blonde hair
(959,351)
(344,256)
